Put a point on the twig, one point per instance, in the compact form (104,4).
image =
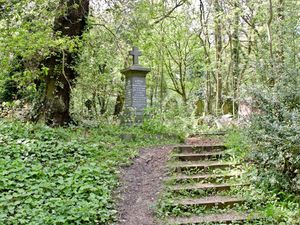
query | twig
(63,69)
(178,4)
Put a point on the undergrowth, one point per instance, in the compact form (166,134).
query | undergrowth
(282,206)
(65,175)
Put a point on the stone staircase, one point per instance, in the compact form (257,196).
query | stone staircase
(200,184)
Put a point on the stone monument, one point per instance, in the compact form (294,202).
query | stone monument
(135,90)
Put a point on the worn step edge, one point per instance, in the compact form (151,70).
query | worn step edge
(204,176)
(208,133)
(198,156)
(209,201)
(203,165)
(214,218)
(197,148)
(200,145)
(205,186)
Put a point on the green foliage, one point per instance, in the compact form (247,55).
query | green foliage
(278,154)
(276,135)
(175,117)
(238,144)
(274,131)
(269,186)
(63,176)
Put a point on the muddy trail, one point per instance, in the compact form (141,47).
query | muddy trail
(142,183)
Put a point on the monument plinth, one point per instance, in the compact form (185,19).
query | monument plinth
(135,90)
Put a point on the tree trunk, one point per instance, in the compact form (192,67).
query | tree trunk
(61,74)
(119,104)
(235,57)
(281,26)
(162,75)
(218,46)
(207,59)
(270,37)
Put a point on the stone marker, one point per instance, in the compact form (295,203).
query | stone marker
(135,90)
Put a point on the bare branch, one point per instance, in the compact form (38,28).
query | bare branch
(106,28)
(168,14)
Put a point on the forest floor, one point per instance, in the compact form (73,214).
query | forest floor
(143,181)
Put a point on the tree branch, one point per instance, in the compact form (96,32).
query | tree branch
(105,27)
(178,4)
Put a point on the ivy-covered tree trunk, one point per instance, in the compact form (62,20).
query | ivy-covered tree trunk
(219,47)
(119,104)
(61,73)
(236,57)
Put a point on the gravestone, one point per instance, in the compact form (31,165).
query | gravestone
(135,90)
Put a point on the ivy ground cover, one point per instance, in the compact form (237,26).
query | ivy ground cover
(63,175)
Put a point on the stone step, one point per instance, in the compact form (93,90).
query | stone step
(209,133)
(198,148)
(224,218)
(202,165)
(205,186)
(208,177)
(199,156)
(211,201)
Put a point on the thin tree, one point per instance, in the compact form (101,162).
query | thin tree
(235,55)
(219,47)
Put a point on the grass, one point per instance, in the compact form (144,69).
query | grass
(65,175)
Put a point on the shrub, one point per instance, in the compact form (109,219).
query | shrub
(276,134)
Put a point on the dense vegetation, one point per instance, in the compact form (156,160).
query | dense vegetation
(271,191)
(65,176)
(60,66)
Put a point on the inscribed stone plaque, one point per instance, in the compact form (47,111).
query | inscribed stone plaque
(139,99)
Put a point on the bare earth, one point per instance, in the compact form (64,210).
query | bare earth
(142,183)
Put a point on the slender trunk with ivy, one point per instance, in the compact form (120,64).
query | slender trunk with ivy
(219,47)
(235,57)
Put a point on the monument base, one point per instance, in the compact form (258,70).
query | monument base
(133,117)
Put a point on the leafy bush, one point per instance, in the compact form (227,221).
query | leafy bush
(62,176)
(274,204)
(276,135)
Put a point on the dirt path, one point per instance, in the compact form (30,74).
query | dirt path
(141,184)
